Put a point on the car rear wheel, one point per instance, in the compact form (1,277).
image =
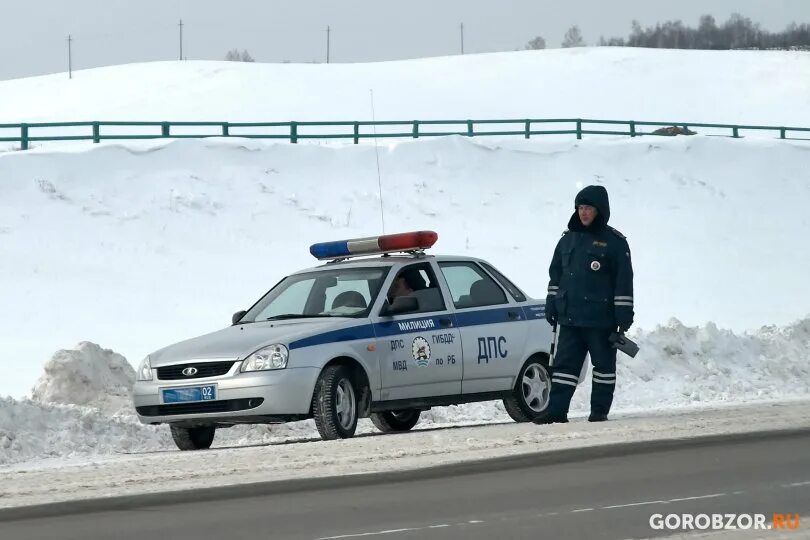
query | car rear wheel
(196,438)
(530,396)
(334,404)
(392,421)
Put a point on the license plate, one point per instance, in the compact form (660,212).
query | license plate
(190,393)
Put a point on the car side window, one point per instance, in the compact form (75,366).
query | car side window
(514,292)
(470,286)
(417,281)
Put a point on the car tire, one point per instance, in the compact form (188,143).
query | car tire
(532,390)
(196,438)
(334,403)
(393,421)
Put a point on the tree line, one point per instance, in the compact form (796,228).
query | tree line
(738,32)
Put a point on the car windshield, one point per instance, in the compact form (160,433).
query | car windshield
(339,292)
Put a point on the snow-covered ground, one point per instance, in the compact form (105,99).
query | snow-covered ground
(282,459)
(737,87)
(137,245)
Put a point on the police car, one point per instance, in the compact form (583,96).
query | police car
(385,336)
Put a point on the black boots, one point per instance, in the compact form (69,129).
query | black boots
(550,419)
(547,418)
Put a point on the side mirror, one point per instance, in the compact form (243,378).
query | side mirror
(237,317)
(402,304)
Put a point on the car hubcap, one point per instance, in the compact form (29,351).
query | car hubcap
(536,387)
(345,405)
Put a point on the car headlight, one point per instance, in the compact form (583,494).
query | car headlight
(270,357)
(145,370)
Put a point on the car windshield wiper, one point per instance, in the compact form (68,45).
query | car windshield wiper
(296,316)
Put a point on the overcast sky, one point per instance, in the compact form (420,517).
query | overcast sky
(33,34)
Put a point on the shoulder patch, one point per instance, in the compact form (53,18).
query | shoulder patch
(617,233)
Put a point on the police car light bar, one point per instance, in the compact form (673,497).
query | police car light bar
(389,243)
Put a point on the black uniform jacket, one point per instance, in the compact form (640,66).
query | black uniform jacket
(591,273)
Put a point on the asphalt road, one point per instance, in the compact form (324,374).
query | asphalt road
(527,497)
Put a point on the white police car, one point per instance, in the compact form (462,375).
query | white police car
(386,337)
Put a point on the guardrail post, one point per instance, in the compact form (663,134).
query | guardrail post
(685,128)
(782,133)
(735,132)
(579,129)
(632,128)
(470,132)
(416,129)
(226,129)
(165,129)
(357,133)
(294,132)
(528,130)
(23,136)
(96,135)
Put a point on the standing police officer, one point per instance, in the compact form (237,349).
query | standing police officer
(590,295)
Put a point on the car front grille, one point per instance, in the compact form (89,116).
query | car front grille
(225,405)
(204,369)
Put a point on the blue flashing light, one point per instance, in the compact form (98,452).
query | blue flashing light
(330,250)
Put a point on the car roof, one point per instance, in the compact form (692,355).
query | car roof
(389,260)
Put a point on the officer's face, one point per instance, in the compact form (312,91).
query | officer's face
(399,288)
(586,214)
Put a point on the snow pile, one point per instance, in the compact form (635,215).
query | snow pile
(31,429)
(87,375)
(678,367)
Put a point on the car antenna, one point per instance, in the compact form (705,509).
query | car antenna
(377,154)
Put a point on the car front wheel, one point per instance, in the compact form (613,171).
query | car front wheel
(334,404)
(531,393)
(196,438)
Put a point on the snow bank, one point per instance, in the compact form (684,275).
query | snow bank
(678,367)
(87,375)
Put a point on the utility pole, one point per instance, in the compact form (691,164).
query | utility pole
(462,38)
(70,57)
(328,32)
(181,38)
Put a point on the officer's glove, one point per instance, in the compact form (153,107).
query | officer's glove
(624,327)
(551,317)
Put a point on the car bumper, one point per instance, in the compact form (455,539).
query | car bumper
(261,396)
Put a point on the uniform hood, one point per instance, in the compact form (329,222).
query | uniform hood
(596,196)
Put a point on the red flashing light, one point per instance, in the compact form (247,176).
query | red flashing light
(408,241)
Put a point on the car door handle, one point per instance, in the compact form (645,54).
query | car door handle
(445,322)
(514,315)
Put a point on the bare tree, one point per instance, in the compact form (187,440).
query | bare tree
(536,43)
(235,56)
(738,32)
(573,38)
